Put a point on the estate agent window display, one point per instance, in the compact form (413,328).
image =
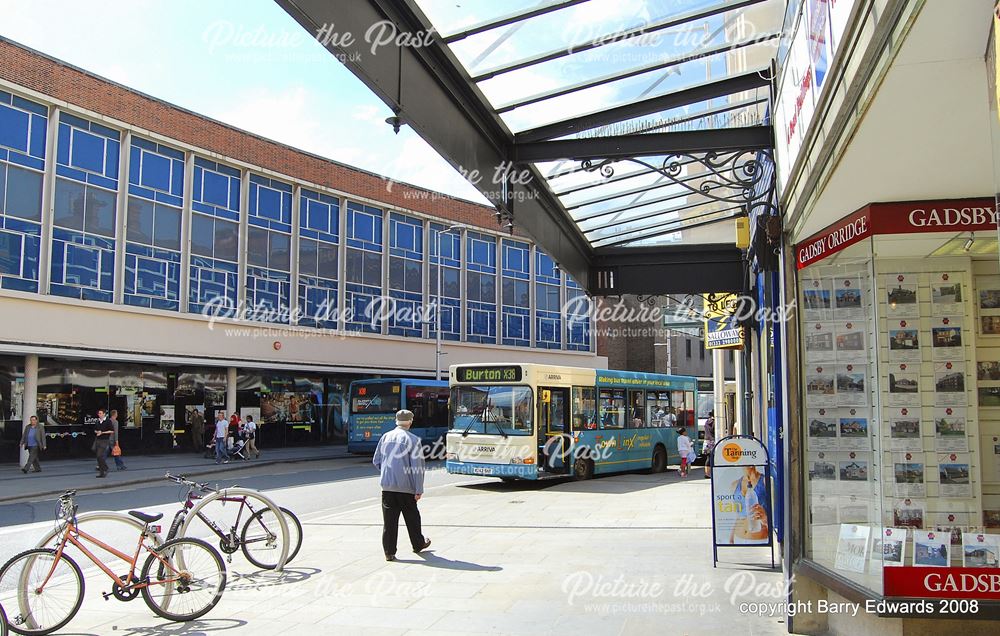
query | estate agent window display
(900,350)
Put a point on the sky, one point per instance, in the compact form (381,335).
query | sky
(242,62)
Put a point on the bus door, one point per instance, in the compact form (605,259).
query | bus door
(553,429)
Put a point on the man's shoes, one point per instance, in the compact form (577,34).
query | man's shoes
(225,461)
(101,475)
(390,557)
(427,544)
(24,470)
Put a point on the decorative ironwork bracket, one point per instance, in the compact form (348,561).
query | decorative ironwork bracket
(734,176)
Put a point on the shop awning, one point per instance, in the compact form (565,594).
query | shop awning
(634,131)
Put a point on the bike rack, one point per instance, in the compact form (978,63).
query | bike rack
(249,493)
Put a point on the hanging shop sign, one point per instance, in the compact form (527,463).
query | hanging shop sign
(722,330)
(741,494)
(909,217)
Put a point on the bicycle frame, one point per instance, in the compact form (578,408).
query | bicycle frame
(75,536)
(214,527)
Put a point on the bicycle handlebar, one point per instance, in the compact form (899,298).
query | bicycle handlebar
(180,479)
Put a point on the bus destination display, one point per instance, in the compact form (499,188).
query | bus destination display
(505,373)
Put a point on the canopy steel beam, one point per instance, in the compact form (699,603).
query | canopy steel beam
(722,139)
(615,77)
(509,19)
(693,95)
(682,269)
(617,37)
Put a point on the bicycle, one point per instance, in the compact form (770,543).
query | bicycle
(3,622)
(259,537)
(181,580)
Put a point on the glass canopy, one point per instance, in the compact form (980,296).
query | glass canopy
(540,64)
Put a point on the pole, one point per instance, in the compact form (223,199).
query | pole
(437,315)
(740,425)
(29,398)
(440,294)
(719,388)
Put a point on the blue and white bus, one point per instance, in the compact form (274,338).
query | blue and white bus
(374,404)
(530,421)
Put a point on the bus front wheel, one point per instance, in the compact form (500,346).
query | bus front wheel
(583,468)
(659,460)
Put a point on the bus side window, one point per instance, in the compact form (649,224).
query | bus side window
(636,415)
(416,401)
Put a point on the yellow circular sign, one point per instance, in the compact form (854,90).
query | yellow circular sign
(732,452)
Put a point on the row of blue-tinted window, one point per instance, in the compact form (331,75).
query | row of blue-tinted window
(85,220)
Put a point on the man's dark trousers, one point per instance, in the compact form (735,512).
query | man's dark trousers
(394,503)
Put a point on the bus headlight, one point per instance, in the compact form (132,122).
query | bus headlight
(515,460)
(451,456)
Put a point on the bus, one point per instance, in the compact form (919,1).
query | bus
(374,404)
(532,421)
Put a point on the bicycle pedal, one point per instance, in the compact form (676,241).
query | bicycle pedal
(107,595)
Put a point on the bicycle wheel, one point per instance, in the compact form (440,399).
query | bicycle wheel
(188,581)
(42,593)
(3,622)
(261,538)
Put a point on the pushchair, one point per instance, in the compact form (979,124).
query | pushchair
(236,449)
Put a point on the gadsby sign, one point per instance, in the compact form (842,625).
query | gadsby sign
(958,215)
(935,582)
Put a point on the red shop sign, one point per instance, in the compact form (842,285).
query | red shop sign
(927,582)
(909,217)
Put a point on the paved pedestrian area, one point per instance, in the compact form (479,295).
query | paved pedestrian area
(628,554)
(59,474)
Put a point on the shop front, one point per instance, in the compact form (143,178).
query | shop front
(155,404)
(899,356)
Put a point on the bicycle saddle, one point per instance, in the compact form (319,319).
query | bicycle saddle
(145,517)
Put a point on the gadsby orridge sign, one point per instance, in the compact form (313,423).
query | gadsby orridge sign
(959,215)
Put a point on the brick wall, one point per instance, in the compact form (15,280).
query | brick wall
(60,81)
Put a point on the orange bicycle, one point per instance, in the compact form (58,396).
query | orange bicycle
(181,580)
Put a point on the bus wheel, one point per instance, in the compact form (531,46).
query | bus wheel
(583,469)
(659,460)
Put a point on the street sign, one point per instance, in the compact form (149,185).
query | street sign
(741,494)
(721,328)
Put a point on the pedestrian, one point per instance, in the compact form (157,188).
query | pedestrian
(33,441)
(221,431)
(400,460)
(235,429)
(115,446)
(250,433)
(709,443)
(671,417)
(197,421)
(102,443)
(684,449)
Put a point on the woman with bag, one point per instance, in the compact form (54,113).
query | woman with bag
(115,450)
(250,433)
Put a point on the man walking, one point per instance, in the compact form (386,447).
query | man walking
(119,462)
(197,422)
(33,440)
(221,431)
(102,443)
(400,460)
